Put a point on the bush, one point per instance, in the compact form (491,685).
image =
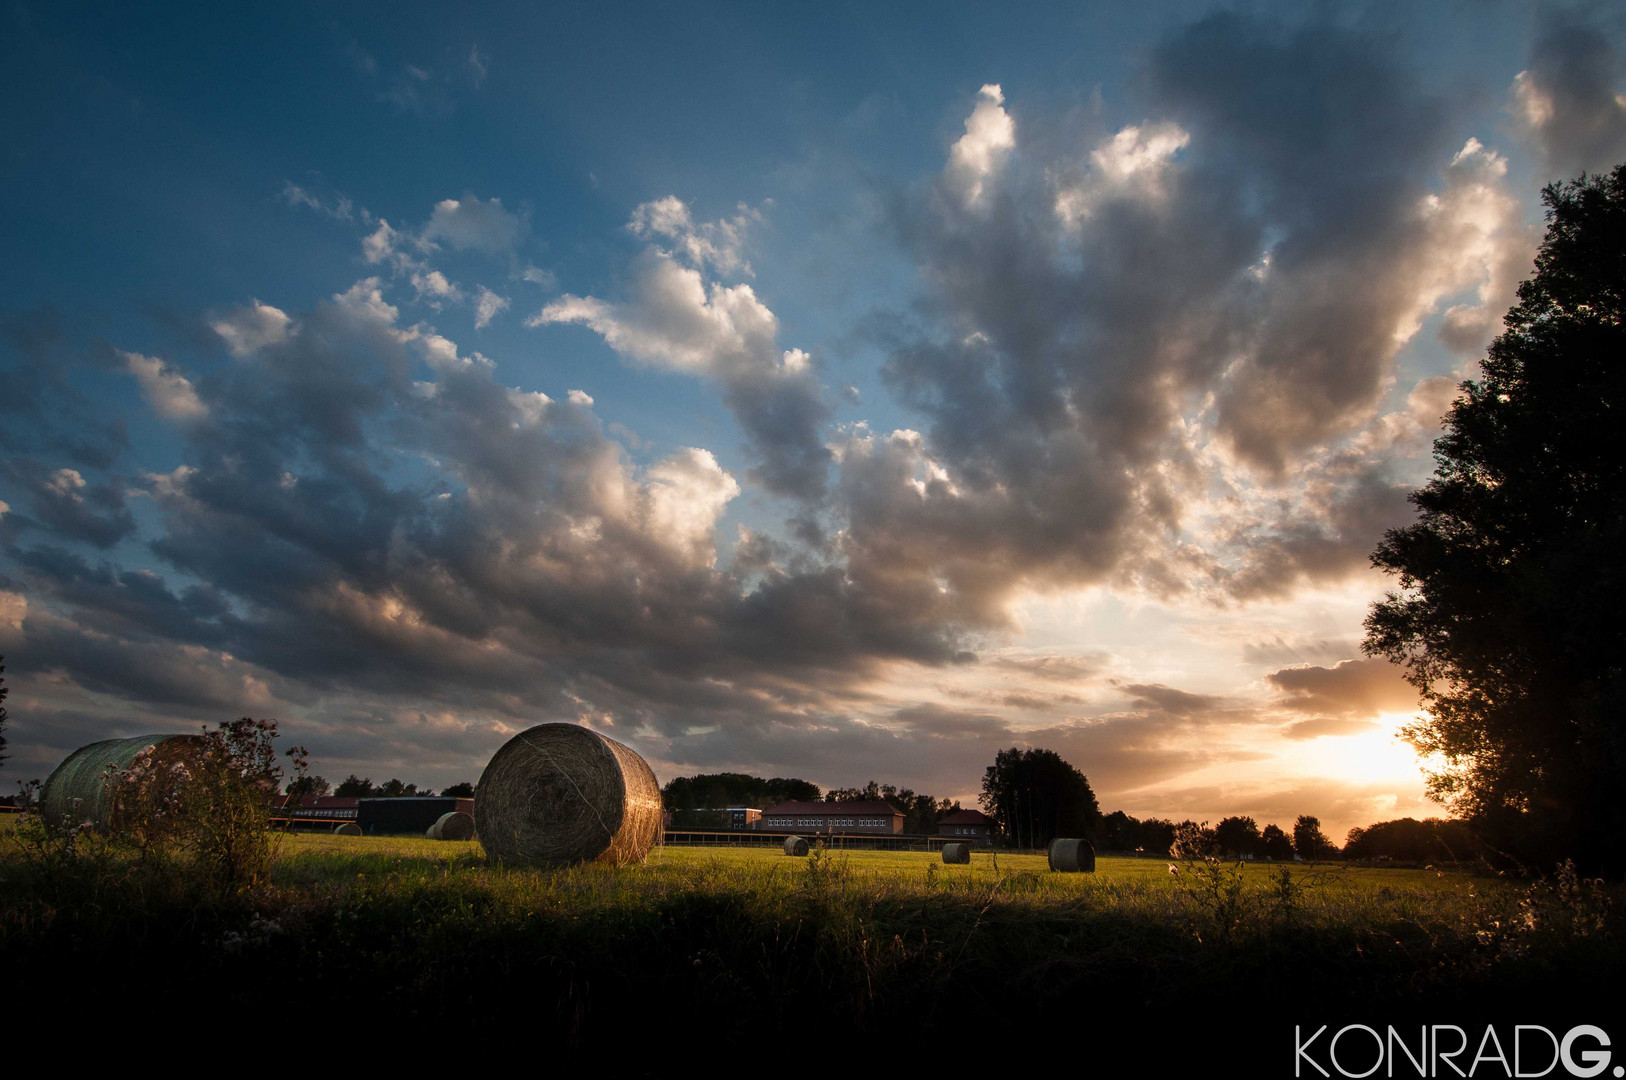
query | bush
(209,812)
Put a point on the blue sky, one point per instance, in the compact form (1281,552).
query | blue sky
(917,379)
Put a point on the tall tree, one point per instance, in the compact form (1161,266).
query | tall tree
(1036,796)
(1238,837)
(1508,615)
(308,785)
(1308,839)
(356,786)
(1276,843)
(3,714)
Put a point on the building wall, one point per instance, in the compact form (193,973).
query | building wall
(824,823)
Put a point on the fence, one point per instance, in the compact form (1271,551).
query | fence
(834,841)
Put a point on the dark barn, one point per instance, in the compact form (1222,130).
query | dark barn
(403,816)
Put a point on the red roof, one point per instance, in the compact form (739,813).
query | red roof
(967,817)
(833,808)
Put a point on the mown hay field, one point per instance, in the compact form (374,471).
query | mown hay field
(743,948)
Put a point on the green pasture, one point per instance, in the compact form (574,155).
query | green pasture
(741,947)
(1324,892)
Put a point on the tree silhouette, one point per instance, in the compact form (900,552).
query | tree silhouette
(1508,615)
(1308,839)
(1035,796)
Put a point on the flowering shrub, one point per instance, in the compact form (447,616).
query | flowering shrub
(1193,841)
(57,852)
(217,811)
(201,807)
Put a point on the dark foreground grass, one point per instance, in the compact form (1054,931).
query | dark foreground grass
(733,950)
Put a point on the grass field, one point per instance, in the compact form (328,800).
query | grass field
(744,948)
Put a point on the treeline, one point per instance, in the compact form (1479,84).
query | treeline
(1240,837)
(691,798)
(694,800)
(362,787)
(1410,840)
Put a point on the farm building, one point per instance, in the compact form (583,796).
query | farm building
(970,825)
(726,818)
(315,808)
(864,818)
(411,815)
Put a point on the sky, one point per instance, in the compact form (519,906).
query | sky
(841,391)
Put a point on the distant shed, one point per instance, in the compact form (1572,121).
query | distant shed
(410,815)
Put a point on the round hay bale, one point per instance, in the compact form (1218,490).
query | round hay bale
(559,794)
(795,845)
(347,828)
(78,791)
(453,826)
(957,853)
(1072,856)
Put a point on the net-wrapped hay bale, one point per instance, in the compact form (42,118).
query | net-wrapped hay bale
(795,845)
(559,794)
(79,790)
(1072,856)
(347,828)
(957,853)
(453,826)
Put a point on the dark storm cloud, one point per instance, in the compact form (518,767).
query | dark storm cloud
(1571,97)
(1352,686)
(188,681)
(130,603)
(1262,235)
(1318,538)
(65,502)
(1169,700)
(1316,140)
(382,528)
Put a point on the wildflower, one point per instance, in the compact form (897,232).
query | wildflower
(1175,870)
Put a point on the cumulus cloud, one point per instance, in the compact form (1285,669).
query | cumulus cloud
(433,286)
(470,223)
(1159,359)
(717,245)
(527,569)
(253,326)
(487,306)
(170,393)
(1129,164)
(673,317)
(990,134)
(687,493)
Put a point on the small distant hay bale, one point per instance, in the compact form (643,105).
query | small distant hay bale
(347,828)
(78,790)
(795,845)
(453,826)
(1072,856)
(957,853)
(559,794)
